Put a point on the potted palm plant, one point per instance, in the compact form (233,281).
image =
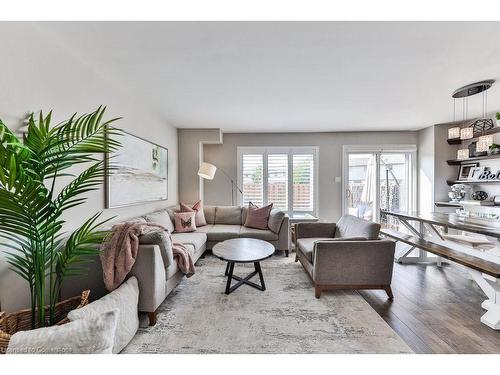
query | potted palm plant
(32,207)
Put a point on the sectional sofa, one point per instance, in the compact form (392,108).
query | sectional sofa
(156,269)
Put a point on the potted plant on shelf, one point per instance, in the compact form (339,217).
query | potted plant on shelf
(32,207)
(494,149)
(497,115)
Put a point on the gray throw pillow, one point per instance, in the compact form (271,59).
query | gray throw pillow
(94,335)
(275,221)
(161,239)
(125,298)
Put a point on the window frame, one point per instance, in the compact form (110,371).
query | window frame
(290,151)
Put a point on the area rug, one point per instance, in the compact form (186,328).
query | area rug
(198,317)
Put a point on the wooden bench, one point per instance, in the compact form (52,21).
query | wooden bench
(478,264)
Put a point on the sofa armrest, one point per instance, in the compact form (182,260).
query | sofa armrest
(308,230)
(284,235)
(368,262)
(151,277)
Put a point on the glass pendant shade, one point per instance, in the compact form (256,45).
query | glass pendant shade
(484,142)
(463,154)
(466,133)
(454,133)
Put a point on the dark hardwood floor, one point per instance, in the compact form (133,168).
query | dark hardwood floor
(436,310)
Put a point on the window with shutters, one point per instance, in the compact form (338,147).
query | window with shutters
(253,179)
(284,176)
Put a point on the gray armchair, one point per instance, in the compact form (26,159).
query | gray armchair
(346,255)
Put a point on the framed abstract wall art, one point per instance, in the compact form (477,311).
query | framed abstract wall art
(139,173)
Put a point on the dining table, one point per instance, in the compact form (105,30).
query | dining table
(468,240)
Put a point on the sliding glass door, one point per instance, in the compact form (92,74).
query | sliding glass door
(378,179)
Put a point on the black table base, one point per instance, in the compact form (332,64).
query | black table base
(245,280)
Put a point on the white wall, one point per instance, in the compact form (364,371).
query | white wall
(426,169)
(36,72)
(218,191)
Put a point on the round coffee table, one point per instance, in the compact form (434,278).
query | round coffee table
(243,250)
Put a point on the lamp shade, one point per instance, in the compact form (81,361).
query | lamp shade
(454,133)
(466,133)
(207,171)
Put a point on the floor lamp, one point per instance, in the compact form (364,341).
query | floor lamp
(207,171)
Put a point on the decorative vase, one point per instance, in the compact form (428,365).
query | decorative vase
(479,195)
(498,122)
(21,320)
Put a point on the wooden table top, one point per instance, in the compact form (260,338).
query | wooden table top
(449,220)
(243,250)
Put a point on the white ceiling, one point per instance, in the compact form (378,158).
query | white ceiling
(293,76)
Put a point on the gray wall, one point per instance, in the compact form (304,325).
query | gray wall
(191,143)
(218,191)
(38,73)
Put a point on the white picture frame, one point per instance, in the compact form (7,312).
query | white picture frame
(139,173)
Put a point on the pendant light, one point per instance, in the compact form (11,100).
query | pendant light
(478,126)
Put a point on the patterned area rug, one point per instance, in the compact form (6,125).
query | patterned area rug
(198,317)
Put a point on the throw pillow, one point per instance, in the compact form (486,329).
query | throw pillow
(275,220)
(125,298)
(94,335)
(185,222)
(200,214)
(258,217)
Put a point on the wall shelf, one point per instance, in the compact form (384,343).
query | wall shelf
(468,160)
(485,203)
(468,182)
(457,141)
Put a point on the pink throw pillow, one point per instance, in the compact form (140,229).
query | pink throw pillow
(185,222)
(200,214)
(258,217)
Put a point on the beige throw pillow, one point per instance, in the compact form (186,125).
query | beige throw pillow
(94,335)
(125,298)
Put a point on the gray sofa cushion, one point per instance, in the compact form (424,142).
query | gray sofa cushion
(275,221)
(204,229)
(306,245)
(244,212)
(228,215)
(160,217)
(209,214)
(171,212)
(221,232)
(195,239)
(352,226)
(259,234)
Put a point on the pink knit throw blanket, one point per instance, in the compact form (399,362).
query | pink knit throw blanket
(119,252)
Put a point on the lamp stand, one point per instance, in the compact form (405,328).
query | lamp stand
(233,184)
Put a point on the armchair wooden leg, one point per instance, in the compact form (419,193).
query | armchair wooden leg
(286,253)
(388,290)
(152,318)
(317,291)
(296,257)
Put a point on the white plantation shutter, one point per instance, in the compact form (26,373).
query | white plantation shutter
(277,181)
(253,179)
(284,176)
(303,182)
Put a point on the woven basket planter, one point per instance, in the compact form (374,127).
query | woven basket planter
(21,320)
